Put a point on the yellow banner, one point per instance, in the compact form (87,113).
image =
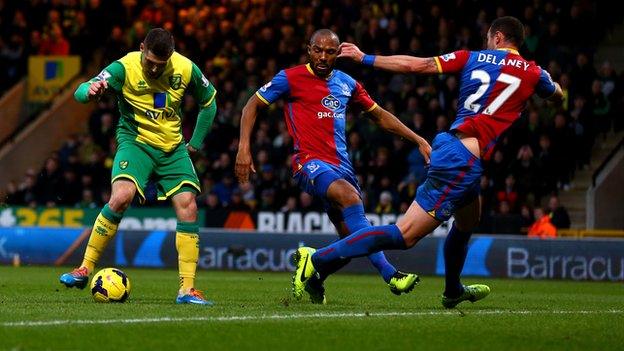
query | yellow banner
(48,74)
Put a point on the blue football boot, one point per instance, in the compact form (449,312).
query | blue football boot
(195,297)
(78,278)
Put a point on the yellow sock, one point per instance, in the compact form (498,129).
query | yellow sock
(187,245)
(103,230)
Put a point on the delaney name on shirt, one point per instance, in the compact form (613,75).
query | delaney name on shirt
(489,58)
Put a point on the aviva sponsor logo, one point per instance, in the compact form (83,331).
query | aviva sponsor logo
(168,114)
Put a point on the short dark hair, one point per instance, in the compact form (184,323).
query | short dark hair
(160,42)
(511,27)
(324,32)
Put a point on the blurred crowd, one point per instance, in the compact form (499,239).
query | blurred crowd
(240,45)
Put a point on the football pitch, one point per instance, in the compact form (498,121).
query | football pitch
(255,310)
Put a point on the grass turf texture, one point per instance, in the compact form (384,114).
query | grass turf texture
(255,311)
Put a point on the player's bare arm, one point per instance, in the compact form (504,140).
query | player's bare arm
(557,96)
(96,89)
(394,63)
(392,124)
(244,162)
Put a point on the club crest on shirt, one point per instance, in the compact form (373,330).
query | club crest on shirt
(123,164)
(312,167)
(345,89)
(175,81)
(330,102)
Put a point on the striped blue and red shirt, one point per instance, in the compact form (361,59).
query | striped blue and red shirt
(315,111)
(495,86)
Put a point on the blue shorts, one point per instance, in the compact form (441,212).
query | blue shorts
(315,177)
(453,179)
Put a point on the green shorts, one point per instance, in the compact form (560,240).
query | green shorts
(172,171)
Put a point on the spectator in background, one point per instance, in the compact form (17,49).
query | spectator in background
(12,58)
(504,221)
(87,200)
(547,167)
(54,42)
(215,213)
(582,122)
(509,193)
(561,140)
(49,183)
(526,218)
(525,171)
(558,214)
(498,168)
(542,228)
(237,202)
(601,109)
(385,203)
(12,196)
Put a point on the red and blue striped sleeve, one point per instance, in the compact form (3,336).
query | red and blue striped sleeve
(273,90)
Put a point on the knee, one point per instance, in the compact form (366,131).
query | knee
(411,232)
(349,198)
(120,200)
(190,206)
(186,208)
(410,240)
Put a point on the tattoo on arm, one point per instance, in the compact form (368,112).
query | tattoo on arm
(430,64)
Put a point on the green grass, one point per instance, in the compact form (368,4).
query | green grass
(255,311)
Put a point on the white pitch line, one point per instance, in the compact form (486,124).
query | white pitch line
(291,317)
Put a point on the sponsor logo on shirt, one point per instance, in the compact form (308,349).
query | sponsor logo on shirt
(205,82)
(166,114)
(330,102)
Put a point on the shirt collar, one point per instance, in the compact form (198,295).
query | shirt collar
(512,50)
(329,76)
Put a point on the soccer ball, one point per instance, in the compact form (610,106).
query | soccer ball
(110,285)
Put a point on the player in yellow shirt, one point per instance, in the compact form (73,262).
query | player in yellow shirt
(150,85)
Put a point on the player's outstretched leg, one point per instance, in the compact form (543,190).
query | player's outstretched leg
(104,229)
(187,244)
(398,282)
(361,243)
(470,293)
